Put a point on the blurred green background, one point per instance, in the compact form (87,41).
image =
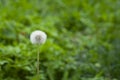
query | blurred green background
(83,39)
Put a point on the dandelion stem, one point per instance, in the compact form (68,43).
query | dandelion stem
(38,64)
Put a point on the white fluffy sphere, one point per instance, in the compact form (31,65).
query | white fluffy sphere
(38,37)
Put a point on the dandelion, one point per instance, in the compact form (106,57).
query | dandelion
(38,37)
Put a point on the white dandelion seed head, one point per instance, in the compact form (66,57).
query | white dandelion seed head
(38,37)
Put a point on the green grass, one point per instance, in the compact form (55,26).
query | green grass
(83,39)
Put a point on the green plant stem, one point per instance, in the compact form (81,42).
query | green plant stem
(38,64)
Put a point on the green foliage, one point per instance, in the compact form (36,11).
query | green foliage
(83,39)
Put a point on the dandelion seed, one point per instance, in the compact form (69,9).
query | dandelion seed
(38,37)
